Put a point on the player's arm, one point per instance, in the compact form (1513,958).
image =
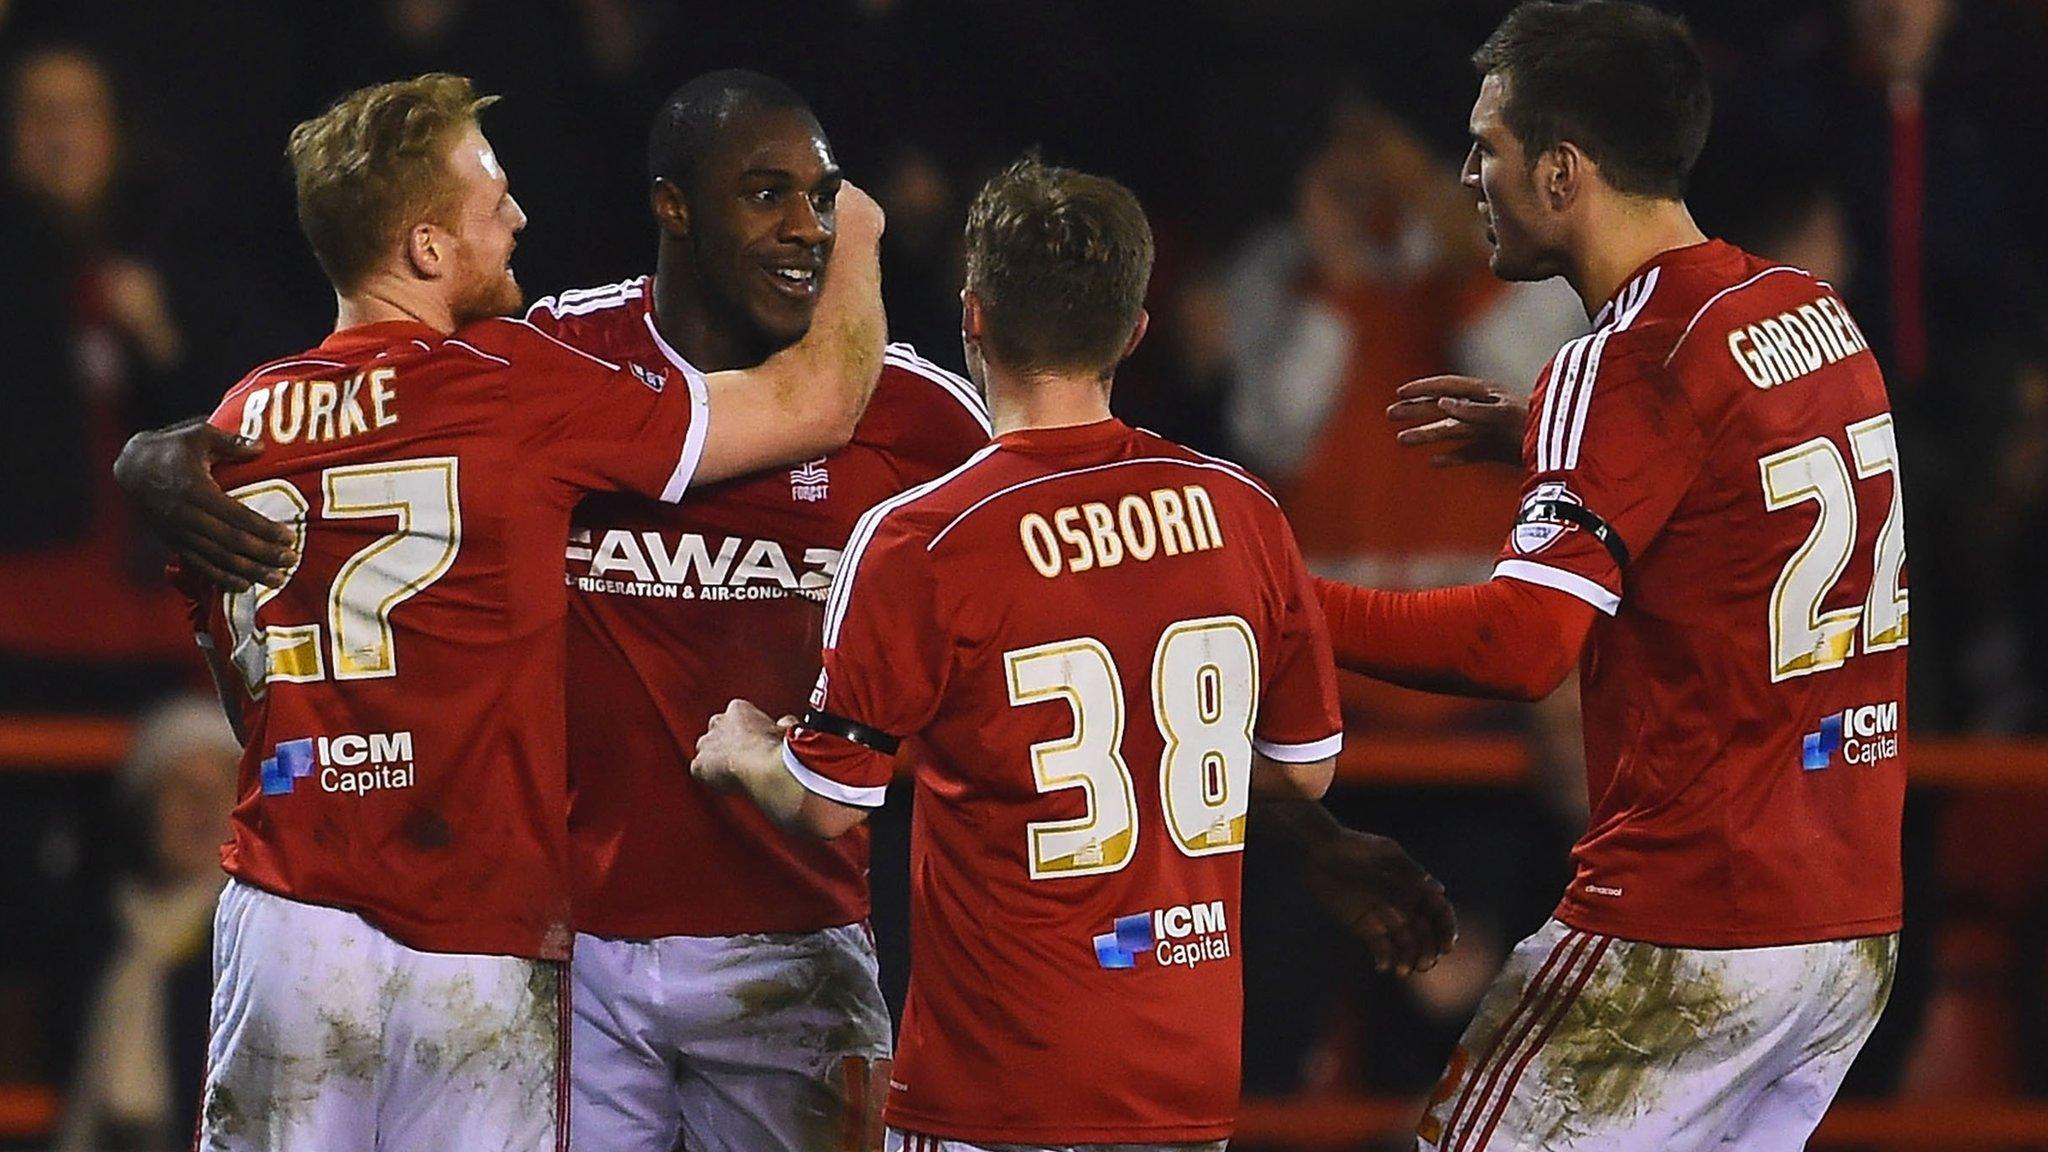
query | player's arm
(886,662)
(743,750)
(1507,638)
(1608,461)
(1374,888)
(803,402)
(168,474)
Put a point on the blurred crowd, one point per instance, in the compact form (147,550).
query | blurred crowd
(1300,161)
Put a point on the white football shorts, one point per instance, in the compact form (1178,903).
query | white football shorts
(327,1034)
(760,1043)
(1587,1043)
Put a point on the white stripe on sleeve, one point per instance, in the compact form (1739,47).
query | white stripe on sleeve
(1569,583)
(1308,753)
(693,438)
(832,789)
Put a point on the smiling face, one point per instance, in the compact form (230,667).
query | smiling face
(483,227)
(1524,231)
(761,218)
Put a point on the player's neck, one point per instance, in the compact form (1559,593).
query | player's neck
(1626,238)
(384,298)
(1018,400)
(684,320)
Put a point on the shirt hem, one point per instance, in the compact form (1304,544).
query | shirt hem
(1574,915)
(1062,1136)
(383,924)
(639,933)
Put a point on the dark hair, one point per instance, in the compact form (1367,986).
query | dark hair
(1622,81)
(694,114)
(1059,260)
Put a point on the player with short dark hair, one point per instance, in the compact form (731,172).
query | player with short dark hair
(389,949)
(1711,530)
(1096,647)
(726,983)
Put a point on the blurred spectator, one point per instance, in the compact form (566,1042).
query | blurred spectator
(1917,102)
(142,1058)
(1182,375)
(1379,278)
(95,349)
(921,255)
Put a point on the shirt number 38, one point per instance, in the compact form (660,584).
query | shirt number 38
(1204,680)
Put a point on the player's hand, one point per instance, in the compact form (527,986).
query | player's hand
(734,739)
(168,473)
(858,219)
(1383,897)
(1478,421)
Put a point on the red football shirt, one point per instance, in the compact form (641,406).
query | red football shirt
(1744,690)
(406,742)
(1083,633)
(674,610)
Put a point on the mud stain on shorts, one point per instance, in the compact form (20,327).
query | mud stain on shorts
(816,995)
(484,1042)
(1617,1044)
(1877,959)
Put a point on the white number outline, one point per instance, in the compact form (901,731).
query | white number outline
(1231,808)
(1814,470)
(293,653)
(1873,445)
(1096,764)
(429,519)
(281,653)
(1082,672)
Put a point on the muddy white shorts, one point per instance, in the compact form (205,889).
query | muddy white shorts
(901,1141)
(329,1036)
(760,1043)
(1587,1043)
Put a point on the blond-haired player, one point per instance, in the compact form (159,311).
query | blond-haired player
(389,952)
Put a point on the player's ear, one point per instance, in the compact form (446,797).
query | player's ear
(1137,334)
(1560,174)
(426,251)
(671,208)
(972,323)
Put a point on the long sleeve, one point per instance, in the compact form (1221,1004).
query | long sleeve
(1504,638)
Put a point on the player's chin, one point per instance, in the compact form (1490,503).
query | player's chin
(783,321)
(502,297)
(1508,265)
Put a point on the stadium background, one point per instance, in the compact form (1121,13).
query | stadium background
(1298,158)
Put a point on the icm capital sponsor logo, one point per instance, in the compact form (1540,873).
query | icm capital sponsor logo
(1181,936)
(1867,734)
(357,763)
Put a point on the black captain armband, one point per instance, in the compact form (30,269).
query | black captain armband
(1571,513)
(853,730)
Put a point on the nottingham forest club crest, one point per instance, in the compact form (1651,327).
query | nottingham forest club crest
(809,482)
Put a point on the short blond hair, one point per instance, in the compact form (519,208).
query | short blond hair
(374,164)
